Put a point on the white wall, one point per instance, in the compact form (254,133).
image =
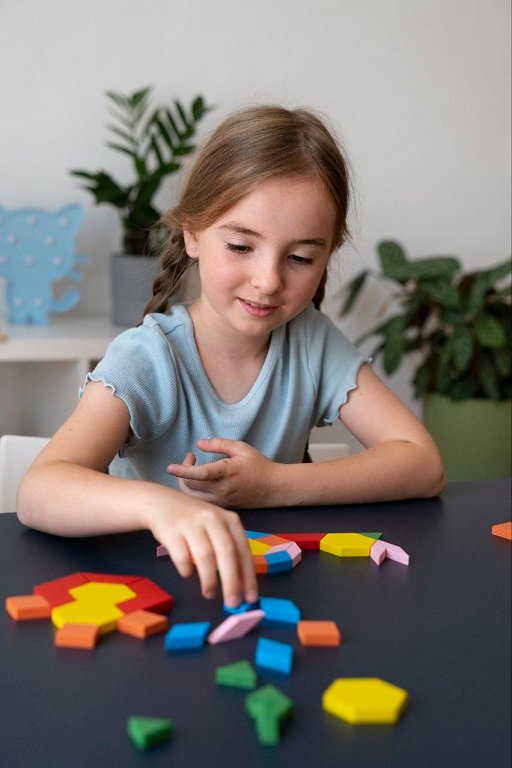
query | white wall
(419,90)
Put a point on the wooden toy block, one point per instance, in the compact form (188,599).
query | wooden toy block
(102,592)
(346,544)
(56,592)
(269,708)
(272,540)
(304,540)
(146,732)
(274,655)
(278,561)
(257,547)
(371,535)
(109,578)
(319,633)
(364,700)
(393,552)
(378,552)
(256,534)
(260,564)
(28,607)
(235,626)
(292,549)
(186,636)
(142,624)
(77,636)
(279,610)
(101,615)
(240,674)
(148,597)
(242,608)
(504,530)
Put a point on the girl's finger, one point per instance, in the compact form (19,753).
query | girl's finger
(248,575)
(180,555)
(228,561)
(204,556)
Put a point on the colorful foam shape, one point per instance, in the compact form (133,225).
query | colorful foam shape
(274,655)
(186,636)
(148,597)
(241,608)
(346,544)
(366,700)
(279,610)
(257,547)
(304,540)
(235,626)
(142,624)
(396,553)
(504,530)
(239,674)
(83,636)
(28,607)
(109,578)
(101,615)
(56,592)
(147,732)
(378,552)
(102,592)
(269,708)
(319,633)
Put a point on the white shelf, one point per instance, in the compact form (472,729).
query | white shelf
(42,368)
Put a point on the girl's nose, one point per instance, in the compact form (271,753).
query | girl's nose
(267,279)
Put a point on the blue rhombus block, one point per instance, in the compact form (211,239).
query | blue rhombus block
(271,654)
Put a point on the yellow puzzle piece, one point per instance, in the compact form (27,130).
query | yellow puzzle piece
(102,592)
(101,615)
(364,700)
(257,547)
(347,544)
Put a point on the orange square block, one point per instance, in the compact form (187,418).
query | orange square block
(142,624)
(77,636)
(27,607)
(502,529)
(319,633)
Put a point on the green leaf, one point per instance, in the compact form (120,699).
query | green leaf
(503,360)
(462,348)
(119,99)
(488,378)
(392,258)
(394,340)
(461,390)
(119,148)
(449,316)
(436,266)
(422,379)
(489,331)
(440,291)
(353,290)
(122,134)
(139,97)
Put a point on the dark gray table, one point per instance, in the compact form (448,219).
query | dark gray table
(441,629)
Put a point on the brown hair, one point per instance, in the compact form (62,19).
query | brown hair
(250,147)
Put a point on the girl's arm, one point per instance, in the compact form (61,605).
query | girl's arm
(400,461)
(67,492)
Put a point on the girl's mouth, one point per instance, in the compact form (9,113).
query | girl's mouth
(257,310)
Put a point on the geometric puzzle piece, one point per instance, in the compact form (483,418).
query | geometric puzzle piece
(77,636)
(102,592)
(235,626)
(57,590)
(148,597)
(396,553)
(304,540)
(257,547)
(146,732)
(239,674)
(279,610)
(142,624)
(27,607)
(371,535)
(101,615)
(504,530)
(269,708)
(364,700)
(260,564)
(109,578)
(319,633)
(274,655)
(378,552)
(186,636)
(347,544)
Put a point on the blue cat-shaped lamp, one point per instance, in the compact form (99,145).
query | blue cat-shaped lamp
(36,249)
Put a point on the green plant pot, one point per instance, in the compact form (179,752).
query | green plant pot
(474,436)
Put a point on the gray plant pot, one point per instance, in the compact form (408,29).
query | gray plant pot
(131,282)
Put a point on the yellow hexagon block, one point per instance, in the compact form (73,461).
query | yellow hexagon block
(347,544)
(363,700)
(102,592)
(257,547)
(101,615)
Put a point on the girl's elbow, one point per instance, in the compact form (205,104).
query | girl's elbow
(25,501)
(435,478)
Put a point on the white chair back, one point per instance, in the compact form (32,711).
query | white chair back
(17,452)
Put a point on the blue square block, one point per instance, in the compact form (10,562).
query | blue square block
(181,637)
(279,610)
(271,654)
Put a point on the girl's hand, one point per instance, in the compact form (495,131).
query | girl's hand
(242,480)
(200,535)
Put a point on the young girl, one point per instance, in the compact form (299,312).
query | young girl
(208,406)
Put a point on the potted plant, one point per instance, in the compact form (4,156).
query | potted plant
(457,328)
(156,139)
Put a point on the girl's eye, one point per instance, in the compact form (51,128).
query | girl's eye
(235,248)
(301,261)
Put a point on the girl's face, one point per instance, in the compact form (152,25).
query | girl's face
(261,262)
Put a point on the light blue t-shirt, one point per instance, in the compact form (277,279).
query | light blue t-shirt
(156,370)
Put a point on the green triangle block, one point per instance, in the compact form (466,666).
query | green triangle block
(240,674)
(146,732)
(372,535)
(269,707)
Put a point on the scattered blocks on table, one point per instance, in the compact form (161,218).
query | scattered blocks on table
(235,626)
(279,610)
(304,540)
(319,633)
(504,530)
(272,553)
(269,708)
(274,655)
(186,636)
(347,544)
(364,700)
(142,624)
(378,552)
(28,607)
(84,636)
(146,732)
(240,674)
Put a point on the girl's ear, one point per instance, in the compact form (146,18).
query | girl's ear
(190,244)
